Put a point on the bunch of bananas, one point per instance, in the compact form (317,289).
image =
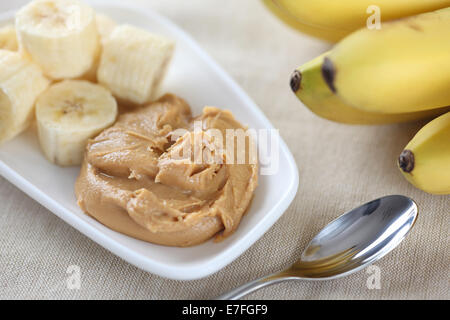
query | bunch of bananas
(333,20)
(397,73)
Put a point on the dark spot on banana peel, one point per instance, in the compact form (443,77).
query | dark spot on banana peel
(296,80)
(415,27)
(329,73)
(406,161)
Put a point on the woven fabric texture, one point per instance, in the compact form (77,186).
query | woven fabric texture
(340,166)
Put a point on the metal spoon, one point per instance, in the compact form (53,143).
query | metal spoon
(346,245)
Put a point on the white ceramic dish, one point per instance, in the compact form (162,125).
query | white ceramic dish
(196,77)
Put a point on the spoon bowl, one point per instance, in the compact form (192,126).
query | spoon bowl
(349,243)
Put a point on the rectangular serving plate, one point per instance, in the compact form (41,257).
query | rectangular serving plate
(197,78)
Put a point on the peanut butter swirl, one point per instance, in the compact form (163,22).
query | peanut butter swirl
(136,180)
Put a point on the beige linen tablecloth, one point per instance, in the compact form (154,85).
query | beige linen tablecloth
(340,167)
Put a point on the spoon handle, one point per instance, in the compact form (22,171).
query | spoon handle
(254,285)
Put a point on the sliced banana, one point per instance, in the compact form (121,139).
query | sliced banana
(8,38)
(21,82)
(69,113)
(60,35)
(133,63)
(105,25)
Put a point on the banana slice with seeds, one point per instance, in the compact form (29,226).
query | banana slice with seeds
(21,82)
(134,63)
(68,114)
(8,38)
(60,35)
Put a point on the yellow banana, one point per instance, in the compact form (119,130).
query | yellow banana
(309,86)
(403,67)
(328,34)
(346,16)
(425,162)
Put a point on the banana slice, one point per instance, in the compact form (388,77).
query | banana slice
(21,82)
(105,25)
(60,35)
(134,63)
(68,114)
(8,38)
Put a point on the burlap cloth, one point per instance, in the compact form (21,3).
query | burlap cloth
(340,167)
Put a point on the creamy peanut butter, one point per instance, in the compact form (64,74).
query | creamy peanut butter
(134,181)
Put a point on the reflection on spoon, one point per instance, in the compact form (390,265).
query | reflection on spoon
(346,245)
